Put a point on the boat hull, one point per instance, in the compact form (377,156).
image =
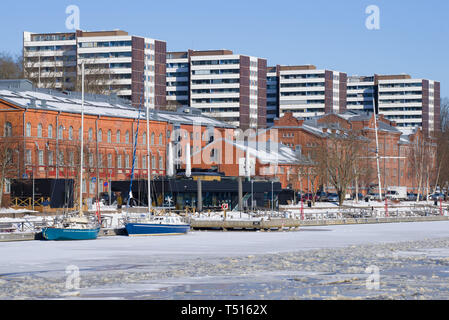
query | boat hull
(150,229)
(70,234)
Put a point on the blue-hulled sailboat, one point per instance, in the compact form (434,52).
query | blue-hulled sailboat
(77,227)
(149,224)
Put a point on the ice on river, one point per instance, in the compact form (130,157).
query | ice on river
(313,263)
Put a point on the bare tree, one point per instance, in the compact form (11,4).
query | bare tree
(10,66)
(7,165)
(338,159)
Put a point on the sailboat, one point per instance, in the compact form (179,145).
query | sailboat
(157,223)
(75,226)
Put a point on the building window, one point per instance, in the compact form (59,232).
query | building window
(28,156)
(127,161)
(117,136)
(161,163)
(41,157)
(91,160)
(153,162)
(39,130)
(91,134)
(50,158)
(50,131)
(60,132)
(70,133)
(8,129)
(119,161)
(100,136)
(144,138)
(144,162)
(100,160)
(152,138)
(7,186)
(92,187)
(109,160)
(71,159)
(61,158)
(161,139)
(127,137)
(109,136)
(28,129)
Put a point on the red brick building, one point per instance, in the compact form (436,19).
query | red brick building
(43,131)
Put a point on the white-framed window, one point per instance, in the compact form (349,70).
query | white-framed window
(61,158)
(144,162)
(100,135)
(92,186)
(50,158)
(144,138)
(153,162)
(127,137)
(7,186)
(40,154)
(91,160)
(60,132)
(70,133)
(50,131)
(161,163)
(71,159)
(28,129)
(109,160)
(8,129)
(152,138)
(117,136)
(39,130)
(161,138)
(91,134)
(119,161)
(127,161)
(109,136)
(28,159)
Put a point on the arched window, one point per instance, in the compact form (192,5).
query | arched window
(100,135)
(152,138)
(70,133)
(28,129)
(144,138)
(109,136)
(117,136)
(161,138)
(39,130)
(50,131)
(91,134)
(127,137)
(61,132)
(8,129)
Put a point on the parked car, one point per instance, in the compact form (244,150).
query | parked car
(437,196)
(332,197)
(321,196)
(309,196)
(413,196)
(372,196)
(361,197)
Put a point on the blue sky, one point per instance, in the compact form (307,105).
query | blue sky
(413,36)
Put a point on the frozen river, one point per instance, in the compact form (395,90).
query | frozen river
(410,260)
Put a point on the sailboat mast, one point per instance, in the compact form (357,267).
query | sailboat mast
(82,140)
(377,151)
(148,158)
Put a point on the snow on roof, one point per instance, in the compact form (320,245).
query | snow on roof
(109,106)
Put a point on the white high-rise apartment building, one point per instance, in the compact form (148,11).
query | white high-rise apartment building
(178,79)
(307,92)
(115,62)
(227,86)
(409,102)
(360,93)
